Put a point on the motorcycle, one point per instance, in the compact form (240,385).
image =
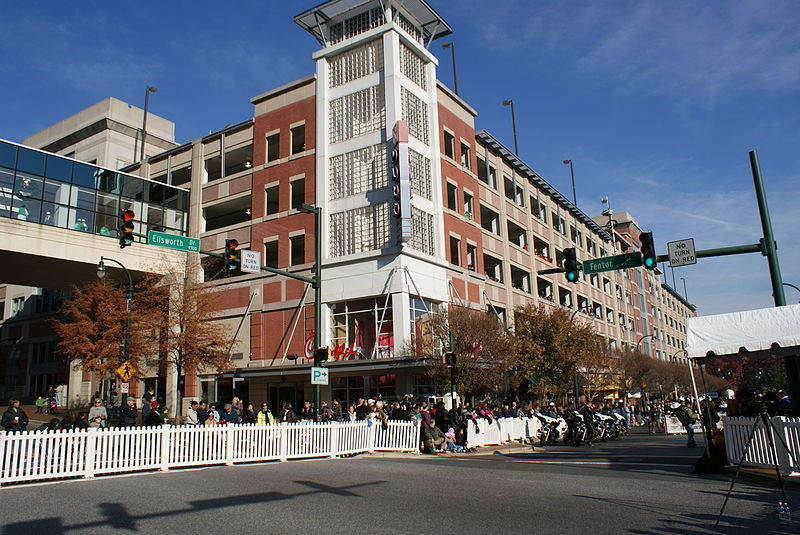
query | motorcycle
(620,424)
(551,430)
(605,426)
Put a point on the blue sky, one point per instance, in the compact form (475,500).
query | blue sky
(657,103)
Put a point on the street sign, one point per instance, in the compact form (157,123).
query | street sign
(319,376)
(126,371)
(610,263)
(251,261)
(172,241)
(124,388)
(681,253)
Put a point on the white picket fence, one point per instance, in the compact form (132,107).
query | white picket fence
(737,431)
(501,431)
(38,455)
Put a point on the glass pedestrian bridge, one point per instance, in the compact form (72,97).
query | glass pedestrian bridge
(53,190)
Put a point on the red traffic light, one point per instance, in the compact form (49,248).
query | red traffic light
(128,215)
(231,244)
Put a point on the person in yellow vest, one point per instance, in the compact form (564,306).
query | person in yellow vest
(264,416)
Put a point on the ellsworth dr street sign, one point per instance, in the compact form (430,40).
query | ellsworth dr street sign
(172,241)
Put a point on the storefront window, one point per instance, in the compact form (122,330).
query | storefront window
(362,329)
(423,340)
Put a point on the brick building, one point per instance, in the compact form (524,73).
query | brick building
(483,221)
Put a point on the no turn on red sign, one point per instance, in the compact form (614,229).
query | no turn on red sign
(681,253)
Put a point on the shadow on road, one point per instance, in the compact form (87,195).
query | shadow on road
(117,516)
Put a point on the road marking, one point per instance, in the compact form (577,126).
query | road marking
(598,463)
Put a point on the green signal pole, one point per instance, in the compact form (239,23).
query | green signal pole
(770,249)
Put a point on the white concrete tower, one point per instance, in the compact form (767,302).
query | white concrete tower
(374,70)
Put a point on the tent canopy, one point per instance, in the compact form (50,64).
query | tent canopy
(751,331)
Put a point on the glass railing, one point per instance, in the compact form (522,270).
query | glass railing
(48,189)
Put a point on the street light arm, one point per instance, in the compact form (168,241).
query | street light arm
(128,273)
(653,336)
(584,307)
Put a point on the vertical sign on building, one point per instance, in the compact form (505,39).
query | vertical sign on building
(401,179)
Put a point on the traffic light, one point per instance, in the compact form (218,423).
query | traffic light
(649,259)
(231,260)
(450,359)
(571,265)
(125,231)
(321,354)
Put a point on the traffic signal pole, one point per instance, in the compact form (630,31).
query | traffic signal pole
(770,250)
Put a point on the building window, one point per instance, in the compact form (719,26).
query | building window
(472,257)
(455,251)
(298,192)
(423,340)
(544,288)
(297,246)
(412,66)
(542,249)
(490,220)
(356,63)
(559,224)
(564,297)
(520,279)
(360,230)
(539,210)
(17,304)
(366,324)
(449,145)
(357,114)
(273,147)
(465,155)
(298,134)
(422,232)
(576,235)
(271,253)
(360,171)
(493,267)
(420,167)
(271,200)
(415,111)
(517,235)
(609,315)
(468,205)
(452,197)
(356,24)
(213,167)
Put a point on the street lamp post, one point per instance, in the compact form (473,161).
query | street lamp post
(101,272)
(510,102)
(575,384)
(685,293)
(791,286)
(317,285)
(643,338)
(572,176)
(452,46)
(147,91)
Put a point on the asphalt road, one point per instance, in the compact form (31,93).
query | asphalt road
(637,485)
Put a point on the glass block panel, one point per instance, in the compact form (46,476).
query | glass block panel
(356,63)
(422,232)
(357,114)
(415,111)
(358,171)
(360,230)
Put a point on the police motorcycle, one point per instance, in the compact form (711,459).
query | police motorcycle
(552,428)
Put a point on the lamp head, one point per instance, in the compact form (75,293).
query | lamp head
(567,162)
(508,102)
(152,89)
(101,269)
(447,44)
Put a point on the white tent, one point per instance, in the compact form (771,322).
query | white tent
(767,329)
